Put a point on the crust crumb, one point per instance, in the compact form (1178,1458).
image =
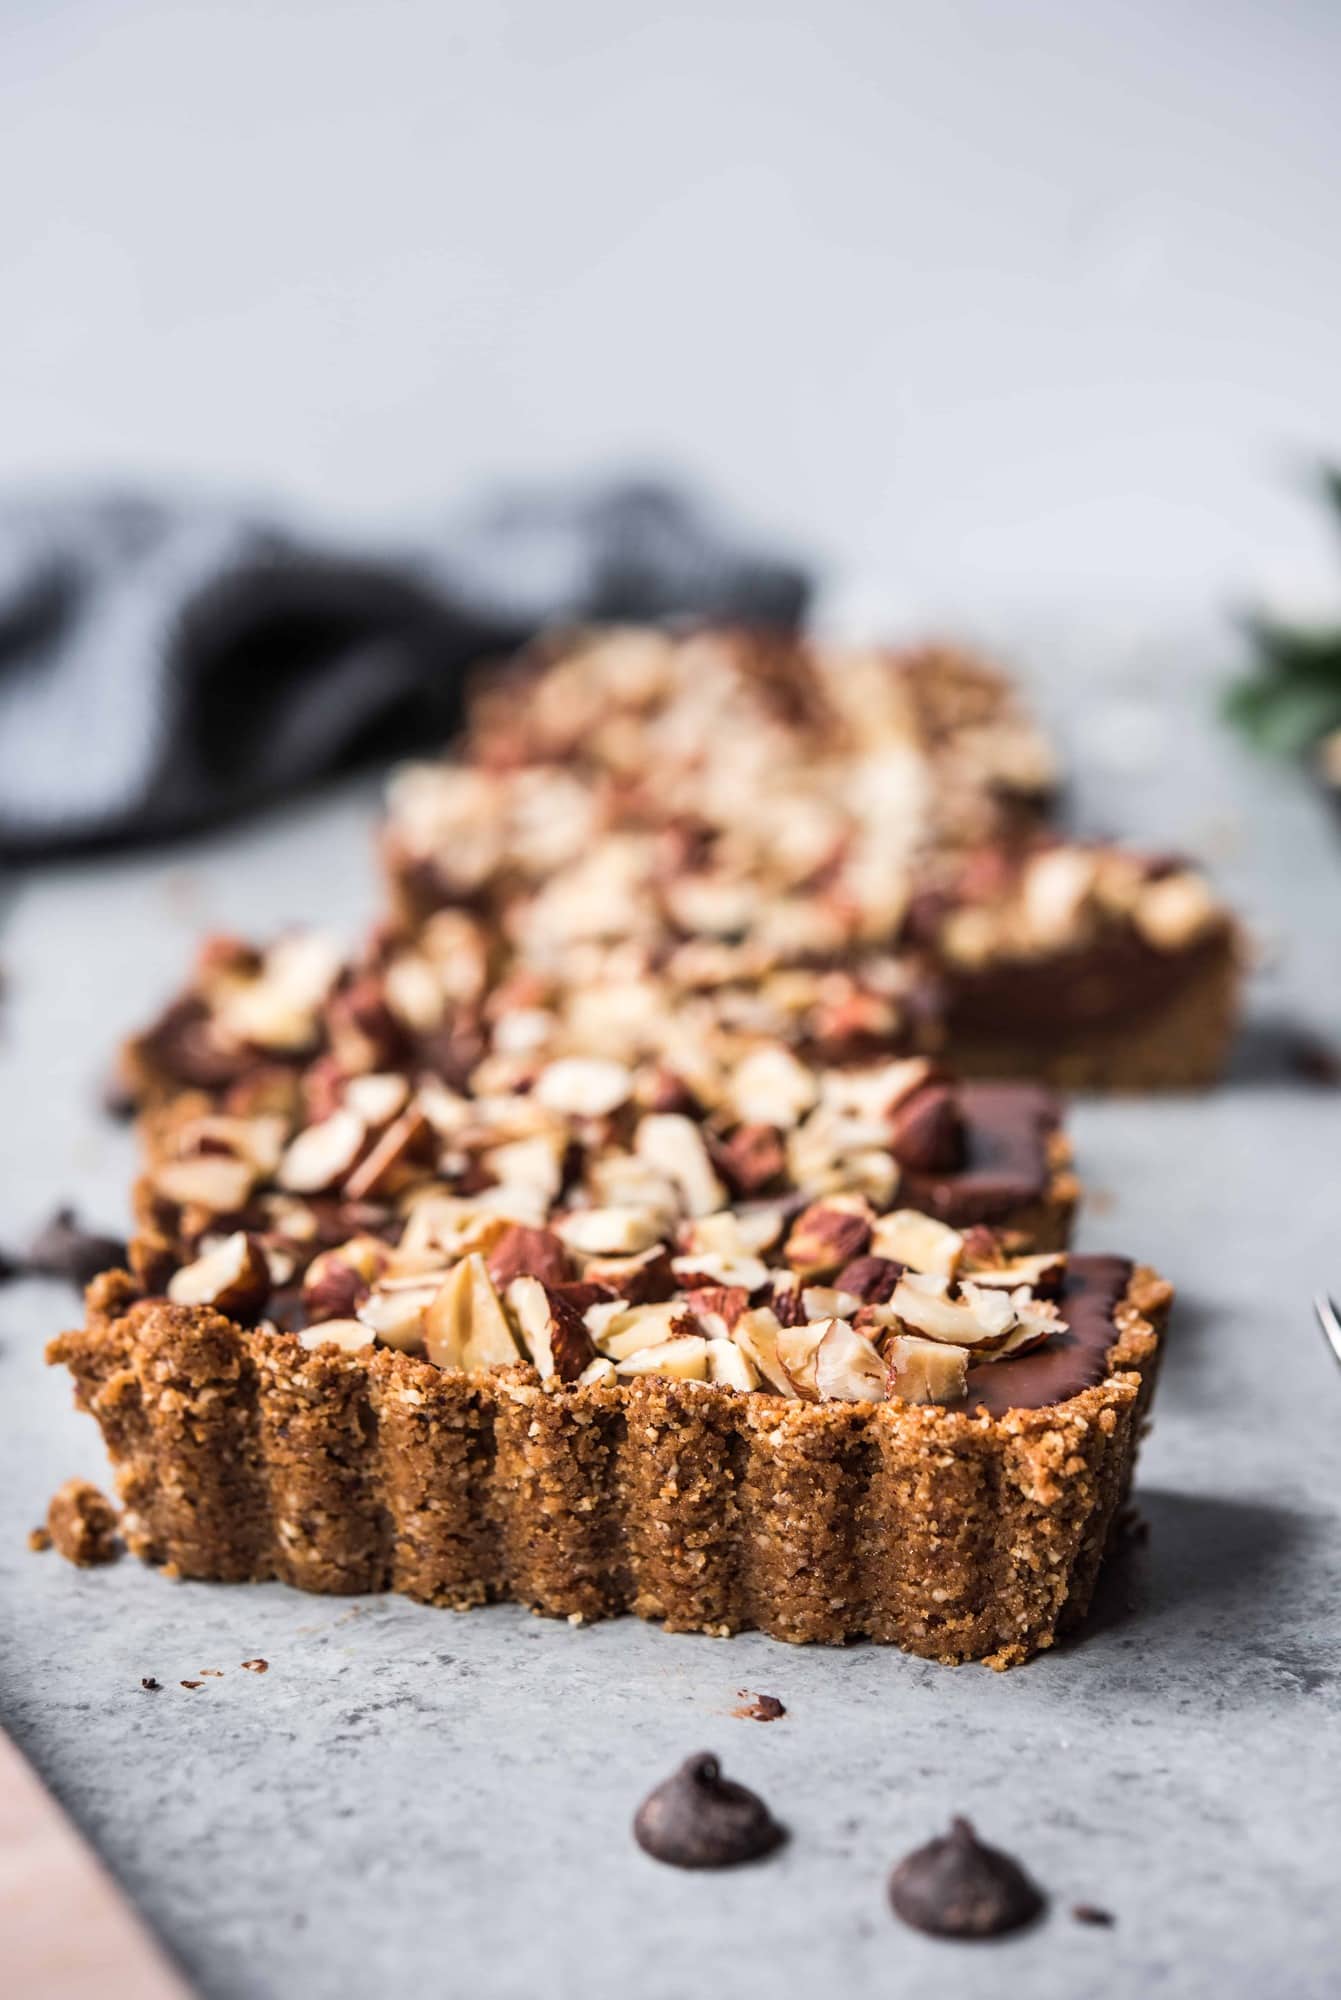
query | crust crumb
(82,1525)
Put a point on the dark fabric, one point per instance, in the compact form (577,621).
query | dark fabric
(163,666)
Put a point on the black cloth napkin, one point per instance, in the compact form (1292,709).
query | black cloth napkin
(167,665)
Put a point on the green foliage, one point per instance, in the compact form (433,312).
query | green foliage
(1293,695)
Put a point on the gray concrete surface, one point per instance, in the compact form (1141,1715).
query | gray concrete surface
(412,1802)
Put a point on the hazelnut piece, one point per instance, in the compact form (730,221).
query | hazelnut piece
(234,1277)
(825,1238)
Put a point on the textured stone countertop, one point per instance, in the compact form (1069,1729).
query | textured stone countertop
(415,1802)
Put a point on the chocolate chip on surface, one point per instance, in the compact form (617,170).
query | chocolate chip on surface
(699,1819)
(959,1887)
(1090,1913)
(1314,1059)
(65,1249)
(150,1685)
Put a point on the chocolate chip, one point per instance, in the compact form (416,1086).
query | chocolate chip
(762,1708)
(1090,1913)
(192,1684)
(699,1819)
(1315,1060)
(65,1249)
(150,1685)
(927,1131)
(958,1887)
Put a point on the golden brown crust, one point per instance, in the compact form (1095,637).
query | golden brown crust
(242,1455)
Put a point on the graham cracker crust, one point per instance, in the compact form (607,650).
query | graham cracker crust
(242,1456)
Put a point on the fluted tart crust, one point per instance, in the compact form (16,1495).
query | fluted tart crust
(955,1533)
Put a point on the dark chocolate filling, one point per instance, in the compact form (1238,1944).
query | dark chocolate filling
(1006,1131)
(1070,1361)
(1037,1000)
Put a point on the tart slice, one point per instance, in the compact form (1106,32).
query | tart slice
(1089,965)
(735,1365)
(712,1466)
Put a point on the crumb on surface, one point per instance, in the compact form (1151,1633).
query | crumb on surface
(39,1540)
(192,1684)
(82,1524)
(759,1707)
(256,1666)
(150,1685)
(1090,1913)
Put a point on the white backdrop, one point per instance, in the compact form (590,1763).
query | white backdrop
(999,305)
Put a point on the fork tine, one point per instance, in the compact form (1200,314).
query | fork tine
(1329,1319)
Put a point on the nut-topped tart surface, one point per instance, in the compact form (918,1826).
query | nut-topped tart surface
(738,821)
(716,1363)
(723,788)
(625,1166)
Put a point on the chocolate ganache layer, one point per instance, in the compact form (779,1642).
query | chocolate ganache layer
(1003,1164)
(1109,979)
(1070,1361)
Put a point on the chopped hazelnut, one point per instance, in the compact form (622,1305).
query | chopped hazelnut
(684,1358)
(798,1352)
(926,1371)
(729,1365)
(756,1334)
(918,1241)
(1175,911)
(584,1086)
(377,1098)
(825,1238)
(212,1181)
(403,1150)
(610,1231)
(465,1326)
(552,1330)
(674,1144)
(977,1319)
(350,1335)
(234,1277)
(320,1157)
(847,1366)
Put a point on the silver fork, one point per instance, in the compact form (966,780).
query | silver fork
(1329,1319)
